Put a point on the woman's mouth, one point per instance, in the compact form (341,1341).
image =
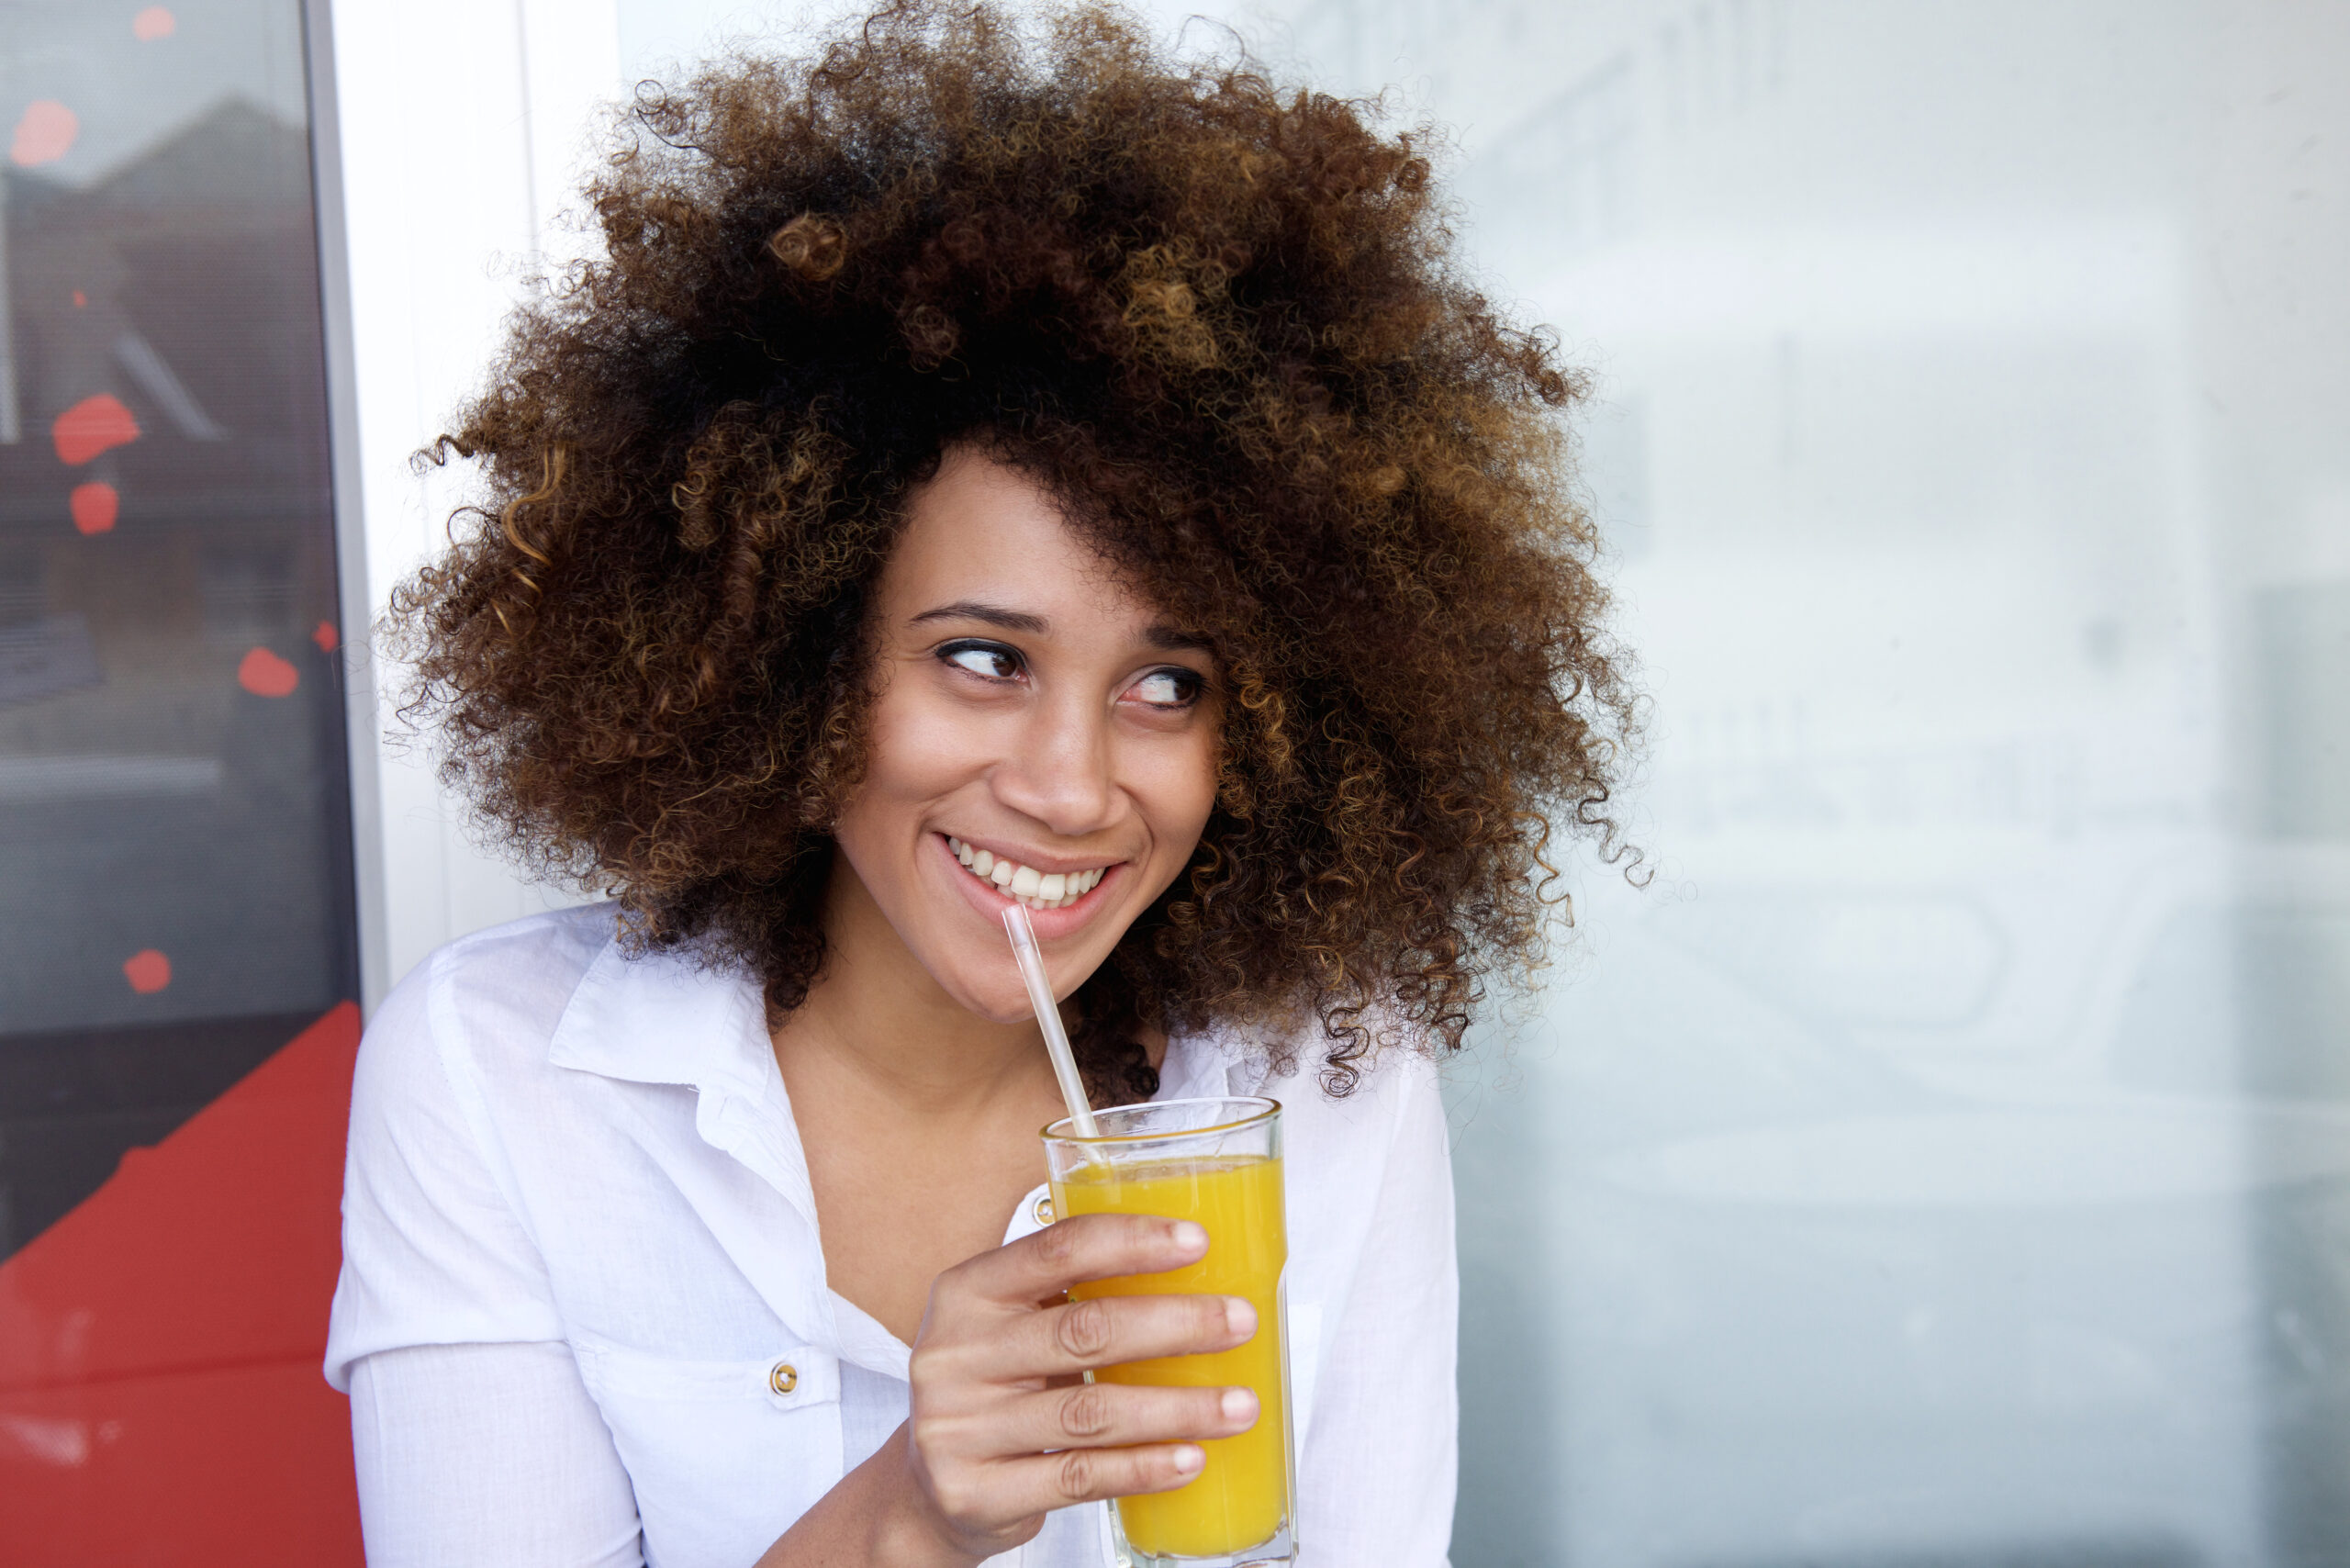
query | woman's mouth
(1026,884)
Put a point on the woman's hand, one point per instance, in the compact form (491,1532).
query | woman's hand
(1001,1432)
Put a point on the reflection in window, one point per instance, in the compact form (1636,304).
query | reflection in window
(1947,1159)
(1564,174)
(173,826)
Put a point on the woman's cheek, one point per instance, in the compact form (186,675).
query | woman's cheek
(1181,795)
(922,745)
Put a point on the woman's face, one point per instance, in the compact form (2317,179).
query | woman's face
(1038,733)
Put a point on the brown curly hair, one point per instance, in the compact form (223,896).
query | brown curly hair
(1221,321)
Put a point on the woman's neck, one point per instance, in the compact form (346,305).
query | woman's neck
(877,1028)
(918,1118)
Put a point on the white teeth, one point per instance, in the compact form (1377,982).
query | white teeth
(1037,889)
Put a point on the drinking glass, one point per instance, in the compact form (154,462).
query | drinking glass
(1218,1163)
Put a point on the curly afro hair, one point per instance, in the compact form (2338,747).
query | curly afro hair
(1222,321)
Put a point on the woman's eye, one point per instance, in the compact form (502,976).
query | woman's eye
(1167,688)
(992,660)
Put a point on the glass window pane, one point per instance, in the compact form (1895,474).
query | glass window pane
(177,923)
(174,856)
(1947,1158)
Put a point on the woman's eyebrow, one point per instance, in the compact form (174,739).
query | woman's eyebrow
(1158,634)
(992,614)
(1172,638)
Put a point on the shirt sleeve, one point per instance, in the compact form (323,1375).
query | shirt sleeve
(486,1456)
(1380,1465)
(434,1251)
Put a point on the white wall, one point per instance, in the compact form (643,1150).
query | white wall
(462,128)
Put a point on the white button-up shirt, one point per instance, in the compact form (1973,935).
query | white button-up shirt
(583,1315)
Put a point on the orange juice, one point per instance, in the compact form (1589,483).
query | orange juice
(1241,1498)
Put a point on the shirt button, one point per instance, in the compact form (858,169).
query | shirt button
(1045,1209)
(783,1377)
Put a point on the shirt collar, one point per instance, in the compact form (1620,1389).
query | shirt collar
(673,1017)
(670,1017)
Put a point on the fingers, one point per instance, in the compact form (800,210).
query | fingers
(1109,1415)
(986,1420)
(1002,1450)
(1093,1475)
(1085,1247)
(1086,1336)
(1079,1336)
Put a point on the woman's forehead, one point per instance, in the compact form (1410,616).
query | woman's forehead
(985,541)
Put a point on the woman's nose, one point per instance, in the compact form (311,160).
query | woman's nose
(1060,773)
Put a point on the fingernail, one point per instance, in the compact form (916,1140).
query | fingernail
(1239,1404)
(1190,1460)
(1239,1317)
(1191,1235)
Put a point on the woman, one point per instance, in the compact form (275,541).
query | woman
(983,467)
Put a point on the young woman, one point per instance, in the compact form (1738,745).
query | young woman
(976,449)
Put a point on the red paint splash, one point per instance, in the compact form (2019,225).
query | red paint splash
(263,674)
(147,970)
(91,426)
(153,23)
(95,507)
(45,134)
(81,300)
(326,637)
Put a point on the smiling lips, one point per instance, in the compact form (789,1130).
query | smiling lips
(1037,889)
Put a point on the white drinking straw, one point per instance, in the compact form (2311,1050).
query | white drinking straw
(1048,1017)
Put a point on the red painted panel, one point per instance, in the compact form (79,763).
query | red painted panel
(159,1396)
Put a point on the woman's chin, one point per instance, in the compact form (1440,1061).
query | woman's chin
(1016,1011)
(998,999)
(998,996)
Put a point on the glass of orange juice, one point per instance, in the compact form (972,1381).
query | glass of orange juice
(1219,1162)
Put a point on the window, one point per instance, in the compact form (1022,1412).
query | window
(175,890)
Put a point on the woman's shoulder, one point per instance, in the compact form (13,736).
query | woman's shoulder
(496,993)
(522,1014)
(436,1247)
(1361,1110)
